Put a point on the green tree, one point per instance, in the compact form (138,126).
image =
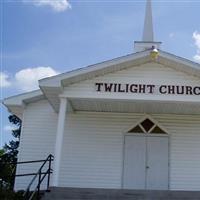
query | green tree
(2,152)
(11,149)
(8,155)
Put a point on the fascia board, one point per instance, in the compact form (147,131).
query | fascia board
(18,100)
(191,67)
(56,81)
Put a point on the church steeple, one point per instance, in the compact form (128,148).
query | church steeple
(148,33)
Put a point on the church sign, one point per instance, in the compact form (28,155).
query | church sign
(147,89)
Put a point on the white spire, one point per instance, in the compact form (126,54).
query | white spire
(148,36)
(148,24)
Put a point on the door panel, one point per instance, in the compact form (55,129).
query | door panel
(157,163)
(134,162)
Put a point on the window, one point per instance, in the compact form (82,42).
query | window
(136,129)
(147,126)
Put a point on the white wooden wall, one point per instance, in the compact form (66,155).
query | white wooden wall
(184,150)
(92,150)
(93,142)
(93,146)
(37,138)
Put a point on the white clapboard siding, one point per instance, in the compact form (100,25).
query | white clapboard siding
(151,73)
(184,150)
(92,150)
(93,145)
(37,139)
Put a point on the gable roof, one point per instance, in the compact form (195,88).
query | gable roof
(91,71)
(53,86)
(168,59)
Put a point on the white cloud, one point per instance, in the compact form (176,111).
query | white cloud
(56,5)
(197,57)
(27,79)
(196,37)
(4,82)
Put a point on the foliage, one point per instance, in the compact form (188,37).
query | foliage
(2,151)
(11,149)
(8,157)
(11,195)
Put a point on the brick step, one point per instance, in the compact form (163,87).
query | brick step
(58,193)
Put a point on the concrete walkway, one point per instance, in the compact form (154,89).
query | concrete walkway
(111,194)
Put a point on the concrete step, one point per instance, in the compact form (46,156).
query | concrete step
(58,193)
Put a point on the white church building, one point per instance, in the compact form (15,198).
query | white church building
(132,122)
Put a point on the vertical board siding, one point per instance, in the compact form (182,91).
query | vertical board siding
(37,139)
(92,154)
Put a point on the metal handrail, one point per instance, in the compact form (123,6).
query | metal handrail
(41,176)
(24,162)
(13,174)
(39,173)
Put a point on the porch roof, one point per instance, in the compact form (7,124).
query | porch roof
(135,106)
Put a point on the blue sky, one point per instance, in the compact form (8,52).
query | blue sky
(44,37)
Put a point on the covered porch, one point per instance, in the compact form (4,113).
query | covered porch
(91,136)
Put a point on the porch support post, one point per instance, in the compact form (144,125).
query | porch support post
(59,139)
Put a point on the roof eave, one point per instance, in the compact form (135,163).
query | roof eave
(187,66)
(18,102)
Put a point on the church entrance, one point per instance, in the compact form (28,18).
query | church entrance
(146,158)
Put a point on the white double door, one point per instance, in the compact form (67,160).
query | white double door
(145,162)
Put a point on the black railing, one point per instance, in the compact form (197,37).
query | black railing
(30,193)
